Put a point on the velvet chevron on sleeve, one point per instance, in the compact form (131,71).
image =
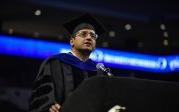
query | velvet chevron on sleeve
(43,95)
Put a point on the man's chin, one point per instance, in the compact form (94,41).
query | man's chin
(88,49)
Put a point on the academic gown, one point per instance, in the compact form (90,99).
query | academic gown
(58,77)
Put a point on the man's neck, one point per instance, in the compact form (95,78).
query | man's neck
(83,56)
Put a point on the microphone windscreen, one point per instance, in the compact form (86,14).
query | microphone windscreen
(100,66)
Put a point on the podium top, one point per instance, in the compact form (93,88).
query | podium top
(99,94)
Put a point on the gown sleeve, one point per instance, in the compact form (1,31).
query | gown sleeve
(44,90)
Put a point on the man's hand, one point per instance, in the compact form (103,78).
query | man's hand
(54,108)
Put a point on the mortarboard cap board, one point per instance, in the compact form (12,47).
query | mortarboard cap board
(84,21)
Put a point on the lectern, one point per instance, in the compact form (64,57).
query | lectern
(99,94)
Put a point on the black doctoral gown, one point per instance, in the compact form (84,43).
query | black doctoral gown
(58,77)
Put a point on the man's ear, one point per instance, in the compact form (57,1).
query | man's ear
(72,42)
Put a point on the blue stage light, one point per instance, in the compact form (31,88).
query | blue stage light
(33,48)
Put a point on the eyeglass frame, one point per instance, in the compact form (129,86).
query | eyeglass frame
(79,33)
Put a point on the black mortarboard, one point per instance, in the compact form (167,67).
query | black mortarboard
(84,21)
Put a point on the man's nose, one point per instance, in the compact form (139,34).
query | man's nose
(88,36)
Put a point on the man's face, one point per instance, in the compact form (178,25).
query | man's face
(85,40)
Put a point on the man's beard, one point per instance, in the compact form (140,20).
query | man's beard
(85,51)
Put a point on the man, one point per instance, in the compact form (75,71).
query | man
(59,75)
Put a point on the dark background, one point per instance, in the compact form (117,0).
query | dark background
(146,18)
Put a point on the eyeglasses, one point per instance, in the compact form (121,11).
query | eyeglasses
(84,34)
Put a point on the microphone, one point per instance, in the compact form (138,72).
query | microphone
(100,66)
